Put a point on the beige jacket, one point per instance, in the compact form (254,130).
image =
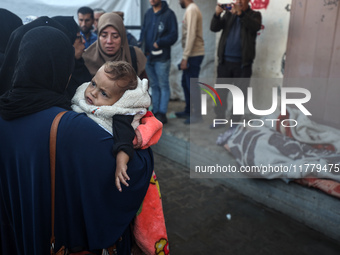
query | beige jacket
(192,32)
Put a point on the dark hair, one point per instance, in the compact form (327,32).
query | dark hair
(86,10)
(122,71)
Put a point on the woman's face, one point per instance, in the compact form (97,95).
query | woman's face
(110,40)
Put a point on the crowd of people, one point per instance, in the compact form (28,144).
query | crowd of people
(100,74)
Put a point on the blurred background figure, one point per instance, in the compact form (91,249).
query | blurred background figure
(193,54)
(85,21)
(159,33)
(9,22)
(97,12)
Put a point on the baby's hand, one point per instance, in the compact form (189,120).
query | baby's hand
(121,176)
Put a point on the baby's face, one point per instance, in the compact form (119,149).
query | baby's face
(102,90)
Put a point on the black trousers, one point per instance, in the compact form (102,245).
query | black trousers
(237,75)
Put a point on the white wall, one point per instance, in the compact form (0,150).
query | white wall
(272,41)
(271,45)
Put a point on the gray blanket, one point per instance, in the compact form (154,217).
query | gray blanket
(278,156)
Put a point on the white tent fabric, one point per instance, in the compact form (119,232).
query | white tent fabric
(51,8)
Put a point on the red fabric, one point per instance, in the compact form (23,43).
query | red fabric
(149,225)
(150,130)
(148,114)
(329,186)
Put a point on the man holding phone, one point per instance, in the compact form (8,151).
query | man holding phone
(236,49)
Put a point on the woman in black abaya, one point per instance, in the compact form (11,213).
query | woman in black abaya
(80,73)
(91,214)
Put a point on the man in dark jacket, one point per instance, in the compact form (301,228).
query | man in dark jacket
(236,49)
(159,32)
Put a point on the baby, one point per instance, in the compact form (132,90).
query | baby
(116,99)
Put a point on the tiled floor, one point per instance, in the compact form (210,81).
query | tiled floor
(197,210)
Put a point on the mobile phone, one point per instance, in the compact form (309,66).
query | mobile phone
(226,6)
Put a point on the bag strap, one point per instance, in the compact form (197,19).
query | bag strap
(53,143)
(133,58)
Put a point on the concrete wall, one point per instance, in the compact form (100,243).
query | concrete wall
(314,52)
(272,39)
